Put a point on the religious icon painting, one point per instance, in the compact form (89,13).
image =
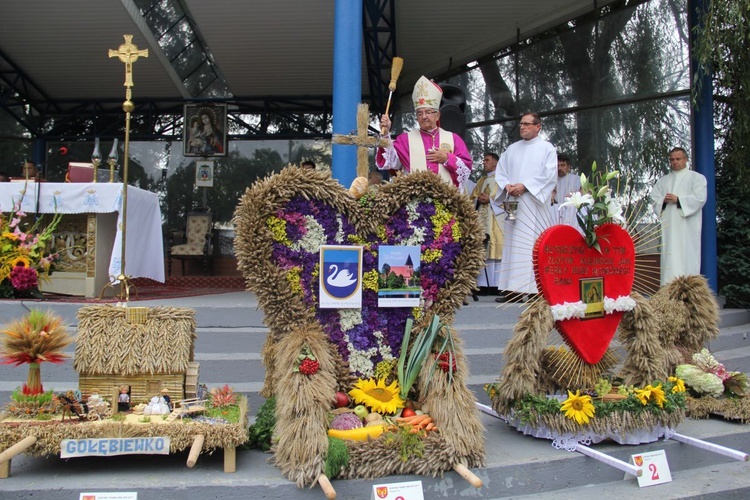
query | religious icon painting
(204,173)
(398,276)
(592,294)
(340,277)
(205,130)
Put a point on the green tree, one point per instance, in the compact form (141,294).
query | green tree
(723,48)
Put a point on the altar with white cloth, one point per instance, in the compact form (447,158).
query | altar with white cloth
(91,242)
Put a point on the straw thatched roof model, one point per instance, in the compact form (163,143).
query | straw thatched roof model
(108,343)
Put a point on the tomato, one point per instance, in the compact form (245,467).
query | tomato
(407,412)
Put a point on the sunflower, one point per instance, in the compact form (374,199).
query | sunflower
(578,408)
(651,393)
(378,396)
(20,261)
(678,385)
(657,395)
(643,395)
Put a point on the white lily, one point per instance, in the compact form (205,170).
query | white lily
(578,200)
(614,211)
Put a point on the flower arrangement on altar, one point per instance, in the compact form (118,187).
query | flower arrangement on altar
(594,204)
(25,258)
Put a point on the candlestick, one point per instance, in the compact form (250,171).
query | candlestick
(96,158)
(112,161)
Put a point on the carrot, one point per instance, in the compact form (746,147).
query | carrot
(425,422)
(408,420)
(415,430)
(429,426)
(419,419)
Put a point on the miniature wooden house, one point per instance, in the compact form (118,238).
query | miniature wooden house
(146,349)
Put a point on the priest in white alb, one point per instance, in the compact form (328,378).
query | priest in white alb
(429,147)
(677,199)
(527,173)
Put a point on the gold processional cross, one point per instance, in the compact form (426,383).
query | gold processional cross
(362,140)
(128,53)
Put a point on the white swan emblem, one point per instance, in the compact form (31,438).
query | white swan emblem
(340,278)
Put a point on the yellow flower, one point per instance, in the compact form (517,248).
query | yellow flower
(657,395)
(416,313)
(431,254)
(370,280)
(678,384)
(378,396)
(20,261)
(384,368)
(440,219)
(278,229)
(578,408)
(10,236)
(643,395)
(456,231)
(651,393)
(293,277)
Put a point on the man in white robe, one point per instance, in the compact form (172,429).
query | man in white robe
(567,184)
(527,173)
(491,219)
(678,198)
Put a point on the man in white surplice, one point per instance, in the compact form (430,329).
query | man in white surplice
(677,199)
(527,173)
(567,184)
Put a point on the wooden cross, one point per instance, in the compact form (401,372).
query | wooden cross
(362,140)
(128,53)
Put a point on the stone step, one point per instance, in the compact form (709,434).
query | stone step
(516,466)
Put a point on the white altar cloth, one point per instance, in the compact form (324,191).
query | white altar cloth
(144,252)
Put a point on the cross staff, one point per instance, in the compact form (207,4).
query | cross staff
(362,140)
(128,53)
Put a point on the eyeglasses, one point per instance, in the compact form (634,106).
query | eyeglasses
(426,113)
(527,124)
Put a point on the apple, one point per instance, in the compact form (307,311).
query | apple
(407,412)
(361,411)
(341,400)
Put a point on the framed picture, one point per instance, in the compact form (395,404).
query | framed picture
(204,173)
(205,130)
(592,294)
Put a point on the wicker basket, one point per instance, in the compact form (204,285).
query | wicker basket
(613,396)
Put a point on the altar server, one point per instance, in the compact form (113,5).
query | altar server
(678,198)
(527,173)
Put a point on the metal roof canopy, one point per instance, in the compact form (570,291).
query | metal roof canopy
(277,53)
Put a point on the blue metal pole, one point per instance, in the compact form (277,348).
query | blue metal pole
(347,84)
(703,138)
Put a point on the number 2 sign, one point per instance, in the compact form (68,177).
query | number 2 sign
(655,468)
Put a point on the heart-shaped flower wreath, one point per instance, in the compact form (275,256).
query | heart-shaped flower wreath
(281,223)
